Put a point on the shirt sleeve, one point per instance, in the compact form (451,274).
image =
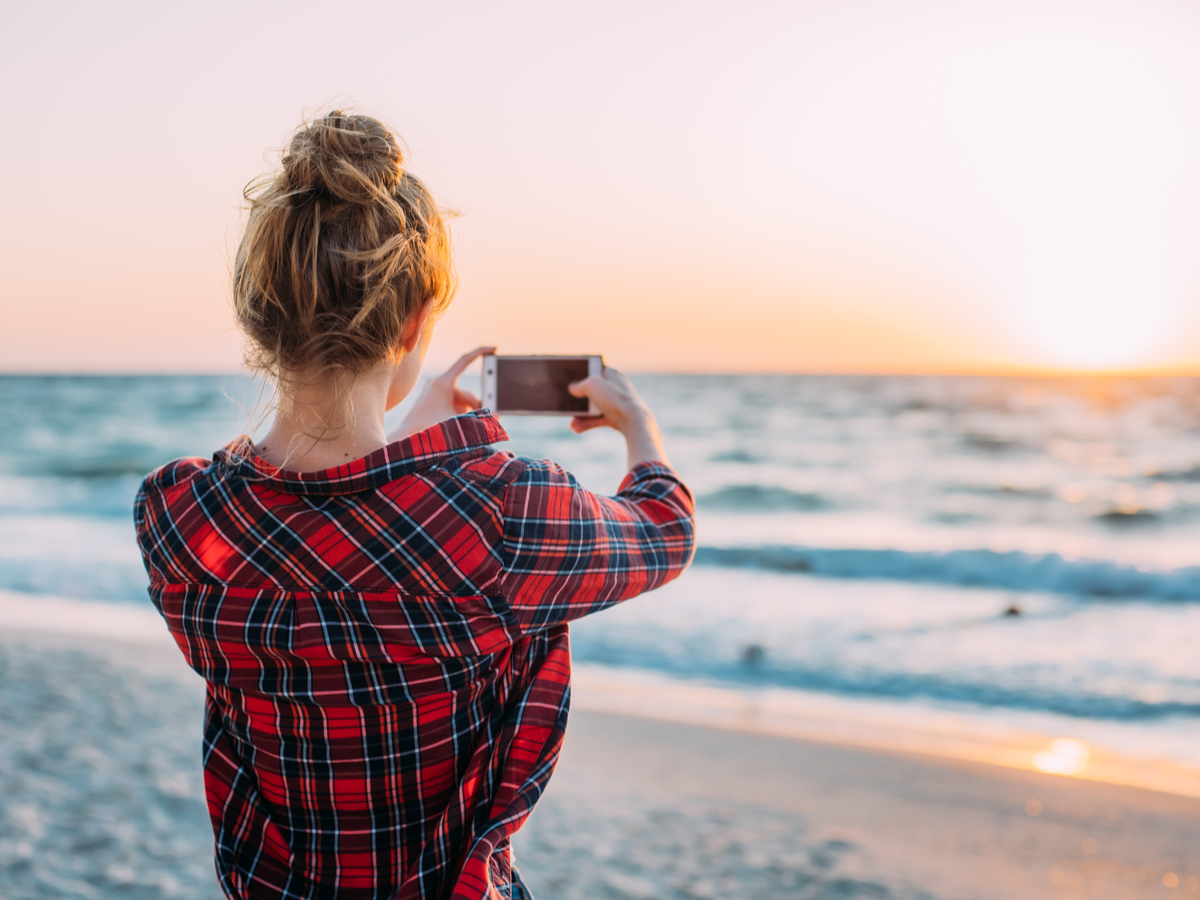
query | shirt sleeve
(569,552)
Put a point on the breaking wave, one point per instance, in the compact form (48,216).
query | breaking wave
(1018,571)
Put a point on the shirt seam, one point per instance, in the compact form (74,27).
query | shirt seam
(272,589)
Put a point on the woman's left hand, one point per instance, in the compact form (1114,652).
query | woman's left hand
(442,398)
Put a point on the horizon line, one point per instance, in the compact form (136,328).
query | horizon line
(1013,371)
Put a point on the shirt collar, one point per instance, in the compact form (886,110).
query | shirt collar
(421,450)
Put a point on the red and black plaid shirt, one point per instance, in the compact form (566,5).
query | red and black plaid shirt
(385,646)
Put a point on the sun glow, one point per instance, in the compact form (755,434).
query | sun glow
(1081,310)
(1063,757)
(866,186)
(1053,168)
(1090,167)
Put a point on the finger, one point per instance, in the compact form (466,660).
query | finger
(466,398)
(465,360)
(580,424)
(611,374)
(580,388)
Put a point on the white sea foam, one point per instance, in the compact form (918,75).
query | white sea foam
(859,536)
(1011,570)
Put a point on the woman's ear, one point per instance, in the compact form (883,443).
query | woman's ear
(410,335)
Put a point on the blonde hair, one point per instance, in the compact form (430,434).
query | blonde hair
(341,247)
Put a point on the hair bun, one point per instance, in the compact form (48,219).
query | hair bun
(354,158)
(342,247)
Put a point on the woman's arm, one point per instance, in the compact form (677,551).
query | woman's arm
(568,552)
(624,410)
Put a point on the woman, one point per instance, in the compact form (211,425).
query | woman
(382,619)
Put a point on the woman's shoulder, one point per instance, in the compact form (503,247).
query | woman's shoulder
(173,474)
(157,507)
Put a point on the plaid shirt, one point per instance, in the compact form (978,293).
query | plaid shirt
(386,650)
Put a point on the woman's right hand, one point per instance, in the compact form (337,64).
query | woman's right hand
(622,409)
(442,398)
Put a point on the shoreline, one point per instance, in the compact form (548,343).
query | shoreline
(1029,741)
(1024,740)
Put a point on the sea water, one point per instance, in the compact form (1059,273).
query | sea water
(1020,547)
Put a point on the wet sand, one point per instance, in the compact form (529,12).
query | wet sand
(100,774)
(686,811)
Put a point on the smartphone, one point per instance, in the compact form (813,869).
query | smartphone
(537,385)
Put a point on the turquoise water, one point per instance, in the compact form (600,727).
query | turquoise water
(1008,543)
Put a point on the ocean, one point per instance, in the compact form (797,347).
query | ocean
(1010,549)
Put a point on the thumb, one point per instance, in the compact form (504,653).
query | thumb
(580,424)
(579,388)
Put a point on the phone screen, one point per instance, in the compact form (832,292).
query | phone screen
(539,385)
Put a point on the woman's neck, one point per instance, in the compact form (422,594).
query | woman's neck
(321,428)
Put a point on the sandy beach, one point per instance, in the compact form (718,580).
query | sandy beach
(684,811)
(99,767)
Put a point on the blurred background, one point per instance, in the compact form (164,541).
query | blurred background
(911,286)
(858,186)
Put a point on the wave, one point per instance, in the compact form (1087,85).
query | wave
(998,691)
(1190,474)
(1048,573)
(1134,517)
(738,456)
(989,443)
(757,498)
(89,580)
(101,469)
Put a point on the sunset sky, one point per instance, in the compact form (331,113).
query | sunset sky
(843,185)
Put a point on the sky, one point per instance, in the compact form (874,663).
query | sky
(834,185)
